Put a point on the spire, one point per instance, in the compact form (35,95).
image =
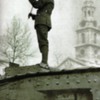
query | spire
(88,4)
(88,10)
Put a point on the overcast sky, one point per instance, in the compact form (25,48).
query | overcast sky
(65,20)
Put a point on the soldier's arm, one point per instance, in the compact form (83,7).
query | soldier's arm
(36,4)
(50,8)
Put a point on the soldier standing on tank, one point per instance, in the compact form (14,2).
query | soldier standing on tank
(42,26)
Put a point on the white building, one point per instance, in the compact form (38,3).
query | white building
(88,41)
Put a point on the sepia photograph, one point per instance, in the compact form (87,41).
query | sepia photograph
(50,50)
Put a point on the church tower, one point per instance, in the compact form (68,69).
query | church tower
(88,35)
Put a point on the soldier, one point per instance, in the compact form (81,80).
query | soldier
(42,25)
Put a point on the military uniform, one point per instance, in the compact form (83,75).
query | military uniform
(43,24)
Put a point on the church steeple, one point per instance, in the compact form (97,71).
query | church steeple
(88,34)
(88,11)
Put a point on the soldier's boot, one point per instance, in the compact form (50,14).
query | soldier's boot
(44,62)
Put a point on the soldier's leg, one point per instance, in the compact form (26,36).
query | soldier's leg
(42,35)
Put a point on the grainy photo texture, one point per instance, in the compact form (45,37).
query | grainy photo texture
(50,50)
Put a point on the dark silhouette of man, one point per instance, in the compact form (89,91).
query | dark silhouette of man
(42,25)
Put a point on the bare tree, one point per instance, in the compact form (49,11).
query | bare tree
(3,44)
(58,57)
(57,53)
(18,46)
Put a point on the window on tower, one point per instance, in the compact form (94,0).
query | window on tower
(95,52)
(95,38)
(82,52)
(85,13)
(92,13)
(89,13)
(83,38)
